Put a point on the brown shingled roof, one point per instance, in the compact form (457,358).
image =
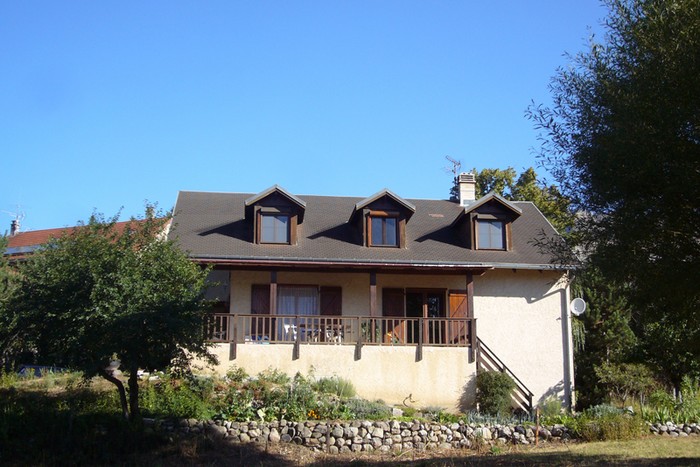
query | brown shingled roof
(212,228)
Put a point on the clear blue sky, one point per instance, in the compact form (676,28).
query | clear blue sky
(108,104)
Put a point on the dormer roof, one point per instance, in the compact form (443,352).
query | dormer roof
(410,208)
(275,189)
(493,196)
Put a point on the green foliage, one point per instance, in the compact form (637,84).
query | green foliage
(236,374)
(662,407)
(74,426)
(273,376)
(527,187)
(625,380)
(11,343)
(335,385)
(493,392)
(551,407)
(623,141)
(368,410)
(607,423)
(439,415)
(168,397)
(101,292)
(609,338)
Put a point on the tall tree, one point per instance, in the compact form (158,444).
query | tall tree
(623,140)
(101,293)
(9,340)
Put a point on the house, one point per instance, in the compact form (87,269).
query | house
(22,244)
(407,298)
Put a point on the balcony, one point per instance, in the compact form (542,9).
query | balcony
(340,330)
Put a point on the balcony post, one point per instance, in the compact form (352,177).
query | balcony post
(419,349)
(297,337)
(234,341)
(358,344)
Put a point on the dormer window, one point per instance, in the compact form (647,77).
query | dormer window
(275,216)
(383,230)
(381,220)
(486,224)
(490,234)
(274,228)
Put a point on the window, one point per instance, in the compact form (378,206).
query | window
(274,228)
(384,231)
(490,235)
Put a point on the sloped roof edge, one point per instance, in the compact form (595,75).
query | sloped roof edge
(385,192)
(491,196)
(275,188)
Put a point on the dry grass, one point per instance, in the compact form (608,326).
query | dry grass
(645,452)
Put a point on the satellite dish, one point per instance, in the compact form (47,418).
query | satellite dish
(578,306)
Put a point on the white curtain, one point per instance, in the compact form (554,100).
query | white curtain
(297,300)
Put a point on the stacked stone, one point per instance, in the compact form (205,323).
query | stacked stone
(367,436)
(673,430)
(356,436)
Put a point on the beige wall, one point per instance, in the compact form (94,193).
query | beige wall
(519,316)
(388,373)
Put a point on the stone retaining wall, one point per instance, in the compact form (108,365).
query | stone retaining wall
(355,436)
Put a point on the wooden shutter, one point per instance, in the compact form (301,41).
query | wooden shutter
(260,299)
(331,301)
(457,332)
(260,327)
(393,306)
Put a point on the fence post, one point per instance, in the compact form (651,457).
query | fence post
(419,349)
(358,344)
(297,338)
(232,346)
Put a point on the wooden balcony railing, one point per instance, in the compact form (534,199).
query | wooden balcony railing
(341,330)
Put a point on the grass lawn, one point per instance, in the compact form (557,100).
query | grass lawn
(650,451)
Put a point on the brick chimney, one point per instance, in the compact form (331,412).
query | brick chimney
(467,188)
(14,228)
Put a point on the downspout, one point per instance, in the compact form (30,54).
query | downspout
(568,345)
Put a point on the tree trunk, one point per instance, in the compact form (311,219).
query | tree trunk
(134,394)
(122,392)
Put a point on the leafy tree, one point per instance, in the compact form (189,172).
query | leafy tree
(608,336)
(622,139)
(9,279)
(526,187)
(497,180)
(101,293)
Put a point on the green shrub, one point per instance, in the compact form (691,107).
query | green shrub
(551,407)
(493,392)
(335,385)
(273,376)
(609,426)
(368,410)
(236,374)
(180,398)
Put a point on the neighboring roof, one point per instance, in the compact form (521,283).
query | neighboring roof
(275,188)
(23,243)
(212,228)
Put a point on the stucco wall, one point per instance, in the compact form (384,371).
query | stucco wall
(388,373)
(520,317)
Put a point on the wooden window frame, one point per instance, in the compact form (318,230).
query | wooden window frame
(290,227)
(384,215)
(504,232)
